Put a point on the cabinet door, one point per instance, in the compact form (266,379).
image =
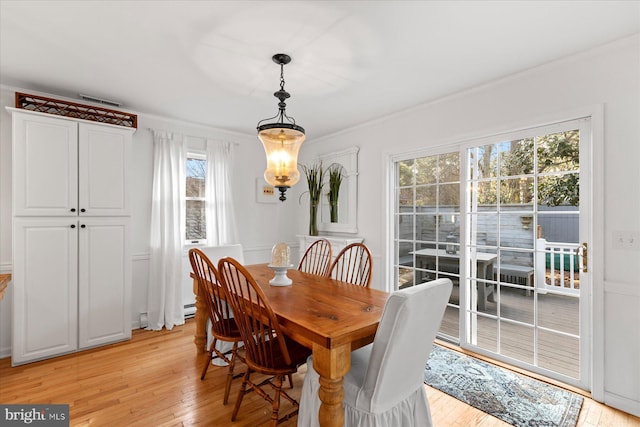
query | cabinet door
(104,300)
(45,287)
(45,167)
(104,156)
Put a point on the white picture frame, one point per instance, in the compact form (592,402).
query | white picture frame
(265,192)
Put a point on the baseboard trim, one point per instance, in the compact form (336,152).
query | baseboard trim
(5,352)
(625,404)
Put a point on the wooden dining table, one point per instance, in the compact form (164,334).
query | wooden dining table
(4,282)
(330,317)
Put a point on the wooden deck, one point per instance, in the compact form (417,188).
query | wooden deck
(556,352)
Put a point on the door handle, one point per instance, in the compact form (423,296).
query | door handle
(585,258)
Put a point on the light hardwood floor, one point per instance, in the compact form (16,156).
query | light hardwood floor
(154,380)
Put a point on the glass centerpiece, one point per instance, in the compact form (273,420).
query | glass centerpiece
(280,263)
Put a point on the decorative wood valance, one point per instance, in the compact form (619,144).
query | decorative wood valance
(74,110)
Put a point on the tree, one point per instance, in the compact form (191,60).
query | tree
(558,160)
(559,152)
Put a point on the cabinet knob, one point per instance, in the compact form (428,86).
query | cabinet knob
(73,209)
(83,226)
(73,226)
(83,210)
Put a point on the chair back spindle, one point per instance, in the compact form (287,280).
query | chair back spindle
(317,258)
(353,265)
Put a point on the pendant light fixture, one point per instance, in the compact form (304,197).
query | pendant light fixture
(281,139)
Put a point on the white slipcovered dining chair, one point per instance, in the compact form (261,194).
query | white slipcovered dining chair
(215,254)
(385,386)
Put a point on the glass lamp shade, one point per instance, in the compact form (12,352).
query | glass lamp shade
(281,144)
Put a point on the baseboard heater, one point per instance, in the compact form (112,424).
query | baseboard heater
(189,311)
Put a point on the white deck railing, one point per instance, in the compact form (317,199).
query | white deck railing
(557,267)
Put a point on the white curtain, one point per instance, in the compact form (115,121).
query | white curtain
(164,303)
(221,223)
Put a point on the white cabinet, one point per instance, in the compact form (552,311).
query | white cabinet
(104,281)
(45,166)
(72,282)
(72,260)
(104,154)
(69,168)
(45,288)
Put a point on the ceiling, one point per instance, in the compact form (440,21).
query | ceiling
(209,62)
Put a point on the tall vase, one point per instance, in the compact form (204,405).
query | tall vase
(334,210)
(313,218)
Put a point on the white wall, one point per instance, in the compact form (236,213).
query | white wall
(608,75)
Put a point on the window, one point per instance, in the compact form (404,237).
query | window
(195,216)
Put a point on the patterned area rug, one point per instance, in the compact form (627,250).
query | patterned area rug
(514,398)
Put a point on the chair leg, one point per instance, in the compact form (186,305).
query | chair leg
(276,400)
(232,364)
(290,381)
(241,394)
(206,366)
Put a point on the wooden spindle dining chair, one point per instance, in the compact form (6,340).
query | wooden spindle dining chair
(267,350)
(353,265)
(317,258)
(223,324)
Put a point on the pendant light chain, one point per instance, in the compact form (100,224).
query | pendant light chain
(281,76)
(282,95)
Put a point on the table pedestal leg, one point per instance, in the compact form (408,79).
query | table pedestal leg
(332,365)
(200,338)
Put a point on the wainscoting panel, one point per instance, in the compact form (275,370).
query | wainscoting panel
(139,284)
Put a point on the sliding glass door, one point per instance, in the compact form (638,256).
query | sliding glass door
(525,205)
(506,218)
